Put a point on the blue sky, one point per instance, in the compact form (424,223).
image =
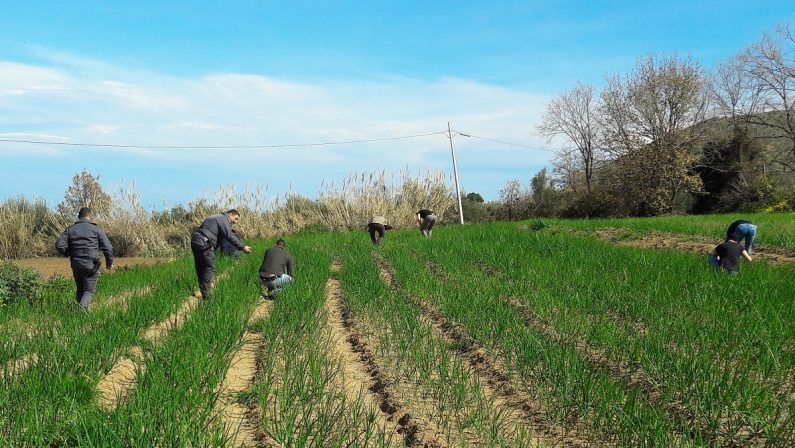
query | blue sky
(197,73)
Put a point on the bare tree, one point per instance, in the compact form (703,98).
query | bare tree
(657,108)
(573,115)
(510,197)
(730,90)
(769,69)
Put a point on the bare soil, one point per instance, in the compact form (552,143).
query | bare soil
(362,367)
(48,267)
(685,243)
(120,381)
(356,381)
(238,378)
(17,366)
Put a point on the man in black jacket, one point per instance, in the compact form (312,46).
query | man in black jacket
(206,239)
(277,267)
(82,242)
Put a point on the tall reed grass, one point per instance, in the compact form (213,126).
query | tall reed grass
(30,227)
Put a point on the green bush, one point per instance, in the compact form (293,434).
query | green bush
(19,285)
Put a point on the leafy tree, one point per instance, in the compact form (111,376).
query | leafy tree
(85,191)
(476,197)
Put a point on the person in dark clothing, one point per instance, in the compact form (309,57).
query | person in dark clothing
(213,231)
(425,221)
(742,230)
(228,249)
(727,256)
(81,242)
(377,225)
(277,267)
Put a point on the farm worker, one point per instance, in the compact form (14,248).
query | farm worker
(425,221)
(81,242)
(277,267)
(741,229)
(377,224)
(210,234)
(228,249)
(727,256)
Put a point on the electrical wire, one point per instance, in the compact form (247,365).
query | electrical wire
(290,145)
(466,134)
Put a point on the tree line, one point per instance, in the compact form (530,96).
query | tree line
(671,137)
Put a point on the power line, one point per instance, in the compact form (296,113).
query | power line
(465,134)
(268,146)
(290,145)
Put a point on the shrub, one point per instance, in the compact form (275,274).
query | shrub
(19,285)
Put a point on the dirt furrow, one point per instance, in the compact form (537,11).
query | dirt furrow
(17,366)
(240,422)
(238,378)
(120,381)
(684,243)
(490,372)
(124,298)
(362,372)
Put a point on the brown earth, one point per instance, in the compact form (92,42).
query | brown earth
(685,243)
(240,422)
(239,377)
(355,379)
(48,267)
(362,368)
(17,366)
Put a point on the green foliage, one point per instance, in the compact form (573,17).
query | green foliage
(85,191)
(19,285)
(537,225)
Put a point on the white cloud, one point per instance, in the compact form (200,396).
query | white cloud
(80,100)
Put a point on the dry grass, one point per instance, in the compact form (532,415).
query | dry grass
(30,227)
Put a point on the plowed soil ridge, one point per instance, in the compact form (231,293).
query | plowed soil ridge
(633,378)
(120,381)
(124,298)
(240,375)
(19,365)
(684,243)
(240,422)
(490,372)
(361,360)
(356,380)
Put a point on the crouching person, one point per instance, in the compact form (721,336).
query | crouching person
(277,268)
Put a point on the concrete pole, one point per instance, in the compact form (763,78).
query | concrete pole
(455,172)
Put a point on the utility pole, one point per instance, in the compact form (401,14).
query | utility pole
(455,172)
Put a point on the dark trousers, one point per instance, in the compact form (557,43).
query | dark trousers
(204,261)
(376,228)
(86,281)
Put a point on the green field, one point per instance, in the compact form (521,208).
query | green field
(485,335)
(775,229)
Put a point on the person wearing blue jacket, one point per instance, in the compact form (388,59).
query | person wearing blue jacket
(82,242)
(206,239)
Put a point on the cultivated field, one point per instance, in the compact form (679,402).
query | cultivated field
(532,334)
